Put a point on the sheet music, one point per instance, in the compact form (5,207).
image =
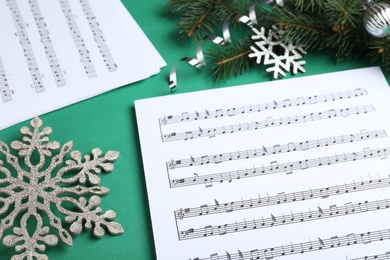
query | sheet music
(291,169)
(54,53)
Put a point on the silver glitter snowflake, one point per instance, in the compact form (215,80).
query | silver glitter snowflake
(267,47)
(33,187)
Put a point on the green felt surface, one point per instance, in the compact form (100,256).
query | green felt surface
(108,122)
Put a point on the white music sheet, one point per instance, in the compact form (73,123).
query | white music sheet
(54,53)
(289,169)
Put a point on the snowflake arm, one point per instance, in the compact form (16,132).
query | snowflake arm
(12,160)
(91,168)
(91,214)
(30,244)
(264,47)
(38,186)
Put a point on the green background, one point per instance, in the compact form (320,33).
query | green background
(108,122)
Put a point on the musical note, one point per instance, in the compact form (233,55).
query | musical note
(231,112)
(78,39)
(382,154)
(254,254)
(211,133)
(268,122)
(335,241)
(289,102)
(187,232)
(333,210)
(276,167)
(360,92)
(20,24)
(218,158)
(241,255)
(277,148)
(310,246)
(229,207)
(333,113)
(324,193)
(195,118)
(204,159)
(189,135)
(351,239)
(208,182)
(200,131)
(4,88)
(291,147)
(185,116)
(303,165)
(281,197)
(269,253)
(222,230)
(304,145)
(47,44)
(219,113)
(216,204)
(374,257)
(208,230)
(204,209)
(366,238)
(349,207)
(313,99)
(288,169)
(293,218)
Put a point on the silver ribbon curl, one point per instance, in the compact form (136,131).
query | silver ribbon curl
(199,61)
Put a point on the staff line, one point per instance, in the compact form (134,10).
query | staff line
(268,122)
(275,149)
(280,198)
(299,101)
(275,167)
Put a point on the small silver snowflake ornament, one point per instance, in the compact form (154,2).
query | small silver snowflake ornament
(38,185)
(266,48)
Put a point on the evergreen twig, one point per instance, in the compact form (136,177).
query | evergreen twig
(231,60)
(336,25)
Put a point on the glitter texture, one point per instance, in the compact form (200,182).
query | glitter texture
(267,48)
(33,189)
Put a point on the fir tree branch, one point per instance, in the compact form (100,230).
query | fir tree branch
(197,23)
(336,25)
(198,18)
(317,6)
(303,28)
(230,60)
(224,6)
(344,13)
(380,49)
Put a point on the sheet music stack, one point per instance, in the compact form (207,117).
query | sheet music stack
(56,53)
(297,169)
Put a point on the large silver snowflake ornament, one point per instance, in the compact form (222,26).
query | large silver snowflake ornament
(266,48)
(32,187)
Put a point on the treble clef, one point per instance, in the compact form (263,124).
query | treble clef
(172,165)
(180,214)
(164,120)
